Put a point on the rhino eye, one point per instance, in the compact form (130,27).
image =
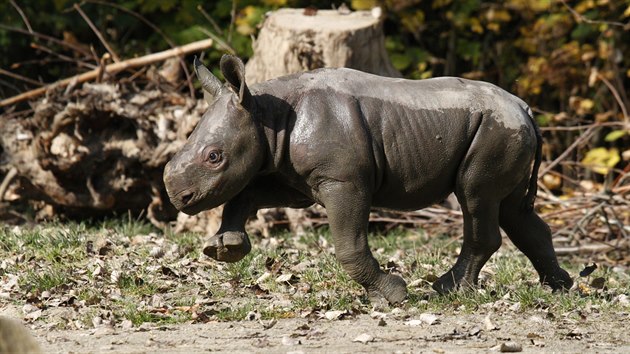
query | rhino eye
(213,156)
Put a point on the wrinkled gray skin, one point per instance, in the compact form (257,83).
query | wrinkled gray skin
(352,141)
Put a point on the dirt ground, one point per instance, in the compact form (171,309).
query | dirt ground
(393,332)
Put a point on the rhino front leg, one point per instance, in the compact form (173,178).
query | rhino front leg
(348,211)
(231,243)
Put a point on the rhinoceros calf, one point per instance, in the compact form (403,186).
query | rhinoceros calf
(352,141)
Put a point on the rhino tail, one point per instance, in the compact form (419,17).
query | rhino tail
(532,189)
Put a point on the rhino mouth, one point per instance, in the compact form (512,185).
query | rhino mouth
(194,206)
(199,203)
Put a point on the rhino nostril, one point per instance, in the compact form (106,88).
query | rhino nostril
(186,198)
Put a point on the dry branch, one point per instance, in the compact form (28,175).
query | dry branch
(112,68)
(97,33)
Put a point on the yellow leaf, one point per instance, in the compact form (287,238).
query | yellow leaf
(587,104)
(584,6)
(362,4)
(494,27)
(627,12)
(498,15)
(440,3)
(616,134)
(475,25)
(601,159)
(275,2)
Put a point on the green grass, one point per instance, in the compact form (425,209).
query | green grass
(55,258)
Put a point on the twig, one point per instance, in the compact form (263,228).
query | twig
(20,77)
(617,221)
(210,19)
(61,56)
(580,18)
(6,181)
(221,43)
(112,68)
(593,248)
(582,127)
(615,93)
(74,47)
(232,21)
(166,38)
(97,32)
(19,10)
(585,136)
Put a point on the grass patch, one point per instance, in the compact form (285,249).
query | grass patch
(122,279)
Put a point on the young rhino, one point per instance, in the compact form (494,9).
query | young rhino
(352,141)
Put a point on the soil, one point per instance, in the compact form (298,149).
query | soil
(533,332)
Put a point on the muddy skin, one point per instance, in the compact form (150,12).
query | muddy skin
(352,141)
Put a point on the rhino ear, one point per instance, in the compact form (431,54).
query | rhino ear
(211,85)
(234,72)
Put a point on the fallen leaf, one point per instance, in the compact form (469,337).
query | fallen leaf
(286,278)
(263,277)
(269,324)
(622,299)
(488,325)
(598,283)
(364,338)
(335,315)
(261,343)
(428,318)
(510,347)
(126,324)
(588,270)
(288,341)
(413,323)
(474,331)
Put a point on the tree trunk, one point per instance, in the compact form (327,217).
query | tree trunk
(291,42)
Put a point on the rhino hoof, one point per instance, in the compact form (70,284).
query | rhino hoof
(560,282)
(230,246)
(446,283)
(391,288)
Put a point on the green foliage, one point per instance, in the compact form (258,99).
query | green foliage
(568,57)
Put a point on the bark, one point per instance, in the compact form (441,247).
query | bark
(291,42)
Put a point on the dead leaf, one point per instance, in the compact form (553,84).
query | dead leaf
(510,347)
(428,318)
(269,324)
(474,331)
(364,338)
(598,283)
(488,325)
(286,278)
(288,341)
(335,315)
(588,270)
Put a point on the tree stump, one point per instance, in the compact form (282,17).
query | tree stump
(291,41)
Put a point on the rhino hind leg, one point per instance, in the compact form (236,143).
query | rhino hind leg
(481,239)
(532,236)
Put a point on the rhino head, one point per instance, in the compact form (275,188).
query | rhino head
(223,152)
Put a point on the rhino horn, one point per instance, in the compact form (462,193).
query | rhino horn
(211,85)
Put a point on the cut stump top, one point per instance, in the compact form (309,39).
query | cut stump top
(323,21)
